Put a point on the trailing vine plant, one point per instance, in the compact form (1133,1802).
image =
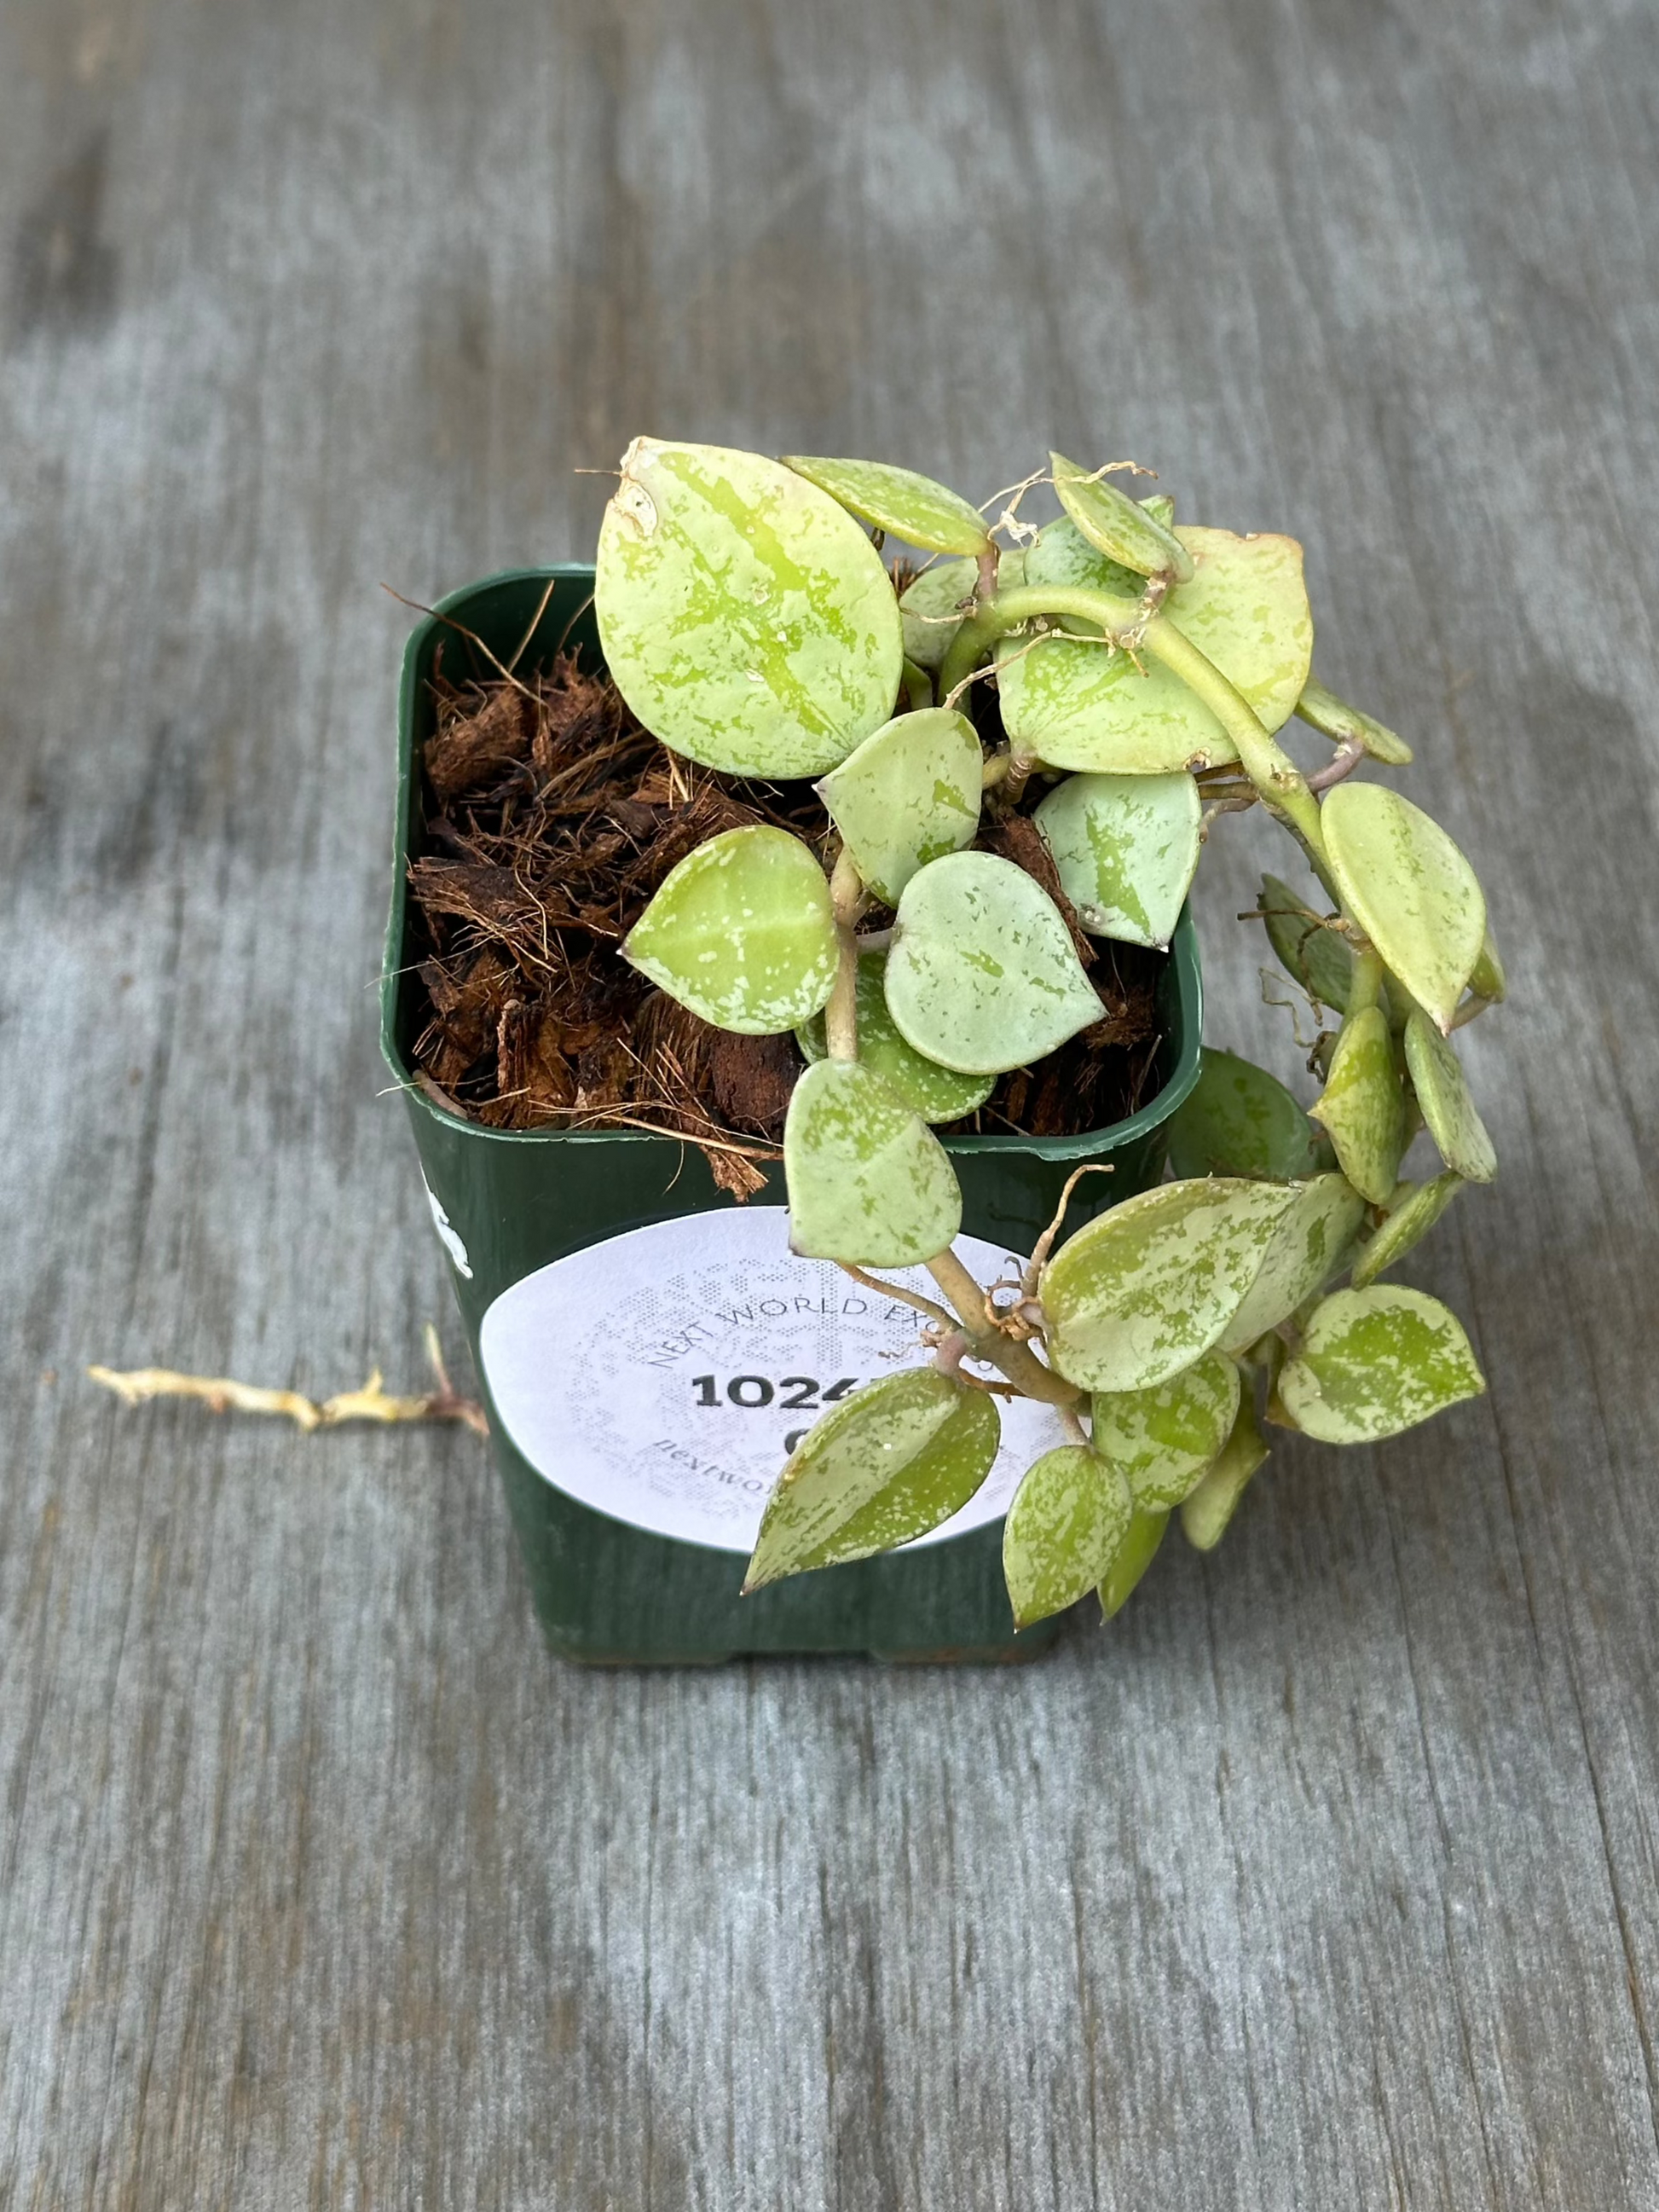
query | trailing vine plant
(1143,671)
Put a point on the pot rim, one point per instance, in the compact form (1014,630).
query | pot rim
(1182,954)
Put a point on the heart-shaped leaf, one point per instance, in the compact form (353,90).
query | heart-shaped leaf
(868,1181)
(1127,849)
(1362,1107)
(745,617)
(1410,1220)
(1410,890)
(938,1094)
(910,793)
(1080,706)
(1307,1246)
(1326,712)
(1130,1561)
(1148,1288)
(1069,1518)
(1320,960)
(742,932)
(1117,525)
(1164,1437)
(983,976)
(1205,1515)
(913,507)
(1373,1361)
(887,1465)
(1442,1092)
(1237,1119)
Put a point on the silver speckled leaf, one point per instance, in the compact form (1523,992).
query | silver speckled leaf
(910,506)
(1311,1239)
(1442,1092)
(1410,890)
(1373,1361)
(1078,706)
(910,793)
(887,1464)
(745,617)
(1165,1436)
(1320,959)
(1362,1107)
(1416,1207)
(742,932)
(1131,1560)
(1149,1287)
(1070,1515)
(1205,1515)
(869,1182)
(1127,849)
(1324,711)
(938,1094)
(982,974)
(1237,1119)
(1116,524)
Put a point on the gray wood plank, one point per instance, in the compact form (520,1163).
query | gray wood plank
(1330,1874)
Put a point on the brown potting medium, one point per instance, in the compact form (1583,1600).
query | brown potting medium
(551,819)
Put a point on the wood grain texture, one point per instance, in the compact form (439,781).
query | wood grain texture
(1330,1875)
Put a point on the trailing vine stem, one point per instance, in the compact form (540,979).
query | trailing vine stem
(1017,1360)
(1282,786)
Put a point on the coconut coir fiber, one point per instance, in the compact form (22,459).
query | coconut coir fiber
(550,819)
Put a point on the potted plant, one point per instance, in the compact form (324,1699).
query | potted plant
(904,847)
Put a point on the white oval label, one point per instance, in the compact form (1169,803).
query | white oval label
(664,1376)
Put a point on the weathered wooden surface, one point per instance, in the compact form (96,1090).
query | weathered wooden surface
(1327,1877)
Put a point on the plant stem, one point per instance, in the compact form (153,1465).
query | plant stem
(917,683)
(1017,1362)
(1282,786)
(1025,604)
(841,1016)
(1365,986)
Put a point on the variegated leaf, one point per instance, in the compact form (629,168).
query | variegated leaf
(1237,1119)
(938,1094)
(1362,1107)
(1207,1512)
(1442,1092)
(910,792)
(1324,711)
(742,932)
(745,617)
(887,1465)
(1163,1437)
(1116,525)
(1069,1516)
(1373,1361)
(1310,1242)
(982,974)
(1409,889)
(868,1181)
(1416,1209)
(1320,959)
(1126,848)
(1131,1560)
(911,507)
(1080,706)
(1149,1287)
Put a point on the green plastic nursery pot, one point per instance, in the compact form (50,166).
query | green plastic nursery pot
(648,1350)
